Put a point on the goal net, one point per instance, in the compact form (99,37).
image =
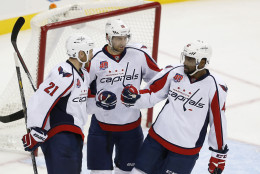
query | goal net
(46,48)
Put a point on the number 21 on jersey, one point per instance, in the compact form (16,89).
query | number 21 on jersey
(49,90)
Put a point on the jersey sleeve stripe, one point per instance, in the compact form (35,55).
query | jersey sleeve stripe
(215,108)
(144,91)
(159,83)
(217,120)
(48,114)
(151,63)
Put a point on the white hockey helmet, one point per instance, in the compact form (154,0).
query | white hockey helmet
(78,42)
(116,27)
(198,50)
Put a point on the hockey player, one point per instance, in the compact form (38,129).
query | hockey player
(114,124)
(57,110)
(195,98)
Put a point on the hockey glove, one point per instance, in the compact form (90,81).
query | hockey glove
(129,95)
(217,160)
(34,138)
(106,100)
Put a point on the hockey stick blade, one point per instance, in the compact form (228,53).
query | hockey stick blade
(17,27)
(12,117)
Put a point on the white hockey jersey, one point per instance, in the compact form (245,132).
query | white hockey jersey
(109,74)
(181,126)
(60,102)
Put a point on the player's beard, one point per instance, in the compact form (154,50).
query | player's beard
(188,70)
(119,51)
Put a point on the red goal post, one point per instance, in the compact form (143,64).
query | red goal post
(48,27)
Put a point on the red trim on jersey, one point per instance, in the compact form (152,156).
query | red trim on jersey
(88,67)
(48,114)
(151,64)
(158,84)
(65,128)
(217,120)
(120,128)
(171,147)
(144,91)
(90,95)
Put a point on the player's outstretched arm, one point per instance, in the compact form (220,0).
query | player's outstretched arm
(157,91)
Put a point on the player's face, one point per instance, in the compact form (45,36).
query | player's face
(82,56)
(189,65)
(119,43)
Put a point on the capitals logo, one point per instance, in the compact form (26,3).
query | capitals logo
(78,83)
(178,77)
(103,65)
(178,95)
(64,73)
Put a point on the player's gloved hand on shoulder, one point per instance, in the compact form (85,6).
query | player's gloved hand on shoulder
(217,160)
(106,100)
(129,95)
(34,138)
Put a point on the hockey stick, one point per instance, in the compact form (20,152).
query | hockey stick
(18,25)
(123,83)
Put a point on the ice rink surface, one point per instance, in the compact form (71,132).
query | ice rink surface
(232,28)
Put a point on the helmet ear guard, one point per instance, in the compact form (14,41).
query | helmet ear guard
(116,27)
(79,42)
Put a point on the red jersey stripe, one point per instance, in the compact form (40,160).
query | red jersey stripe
(120,128)
(217,120)
(151,64)
(62,128)
(172,147)
(48,114)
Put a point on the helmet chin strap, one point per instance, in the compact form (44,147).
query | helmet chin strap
(197,70)
(81,60)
